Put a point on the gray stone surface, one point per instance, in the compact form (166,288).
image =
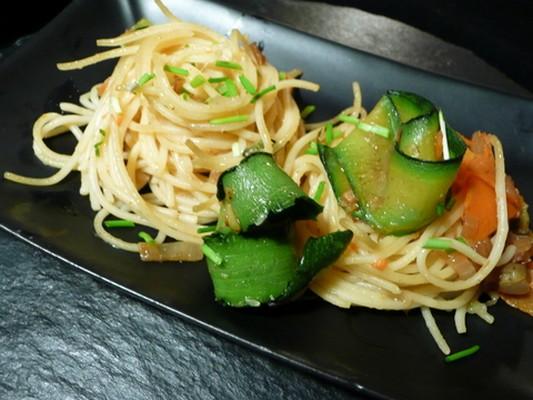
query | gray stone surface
(65,336)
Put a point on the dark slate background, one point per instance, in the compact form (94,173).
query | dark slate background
(65,336)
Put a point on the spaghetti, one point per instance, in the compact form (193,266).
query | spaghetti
(171,117)
(397,273)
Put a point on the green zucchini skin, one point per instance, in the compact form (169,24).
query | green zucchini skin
(256,262)
(264,269)
(418,137)
(337,178)
(397,180)
(257,190)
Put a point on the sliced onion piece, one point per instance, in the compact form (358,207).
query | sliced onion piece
(172,251)
(462,265)
(514,279)
(523,303)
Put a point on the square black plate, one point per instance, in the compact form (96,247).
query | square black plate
(386,354)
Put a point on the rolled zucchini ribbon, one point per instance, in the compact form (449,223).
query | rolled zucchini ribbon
(257,193)
(254,270)
(252,257)
(397,181)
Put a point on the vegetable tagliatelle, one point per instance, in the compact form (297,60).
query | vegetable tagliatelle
(182,105)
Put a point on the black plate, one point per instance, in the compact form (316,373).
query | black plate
(387,354)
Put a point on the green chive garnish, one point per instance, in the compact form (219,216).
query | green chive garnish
(185,95)
(227,64)
(313,149)
(257,96)
(349,119)
(308,110)
(97,149)
(176,70)
(336,133)
(462,240)
(198,80)
(141,24)
(206,229)
(438,244)
(229,120)
(282,75)
(211,254)
(228,88)
(218,80)
(145,78)
(119,223)
(319,191)
(378,130)
(97,145)
(247,85)
(329,133)
(462,354)
(146,237)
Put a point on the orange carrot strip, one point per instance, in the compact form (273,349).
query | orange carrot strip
(479,217)
(476,180)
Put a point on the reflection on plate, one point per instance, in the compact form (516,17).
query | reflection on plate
(387,354)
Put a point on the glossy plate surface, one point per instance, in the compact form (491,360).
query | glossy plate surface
(386,354)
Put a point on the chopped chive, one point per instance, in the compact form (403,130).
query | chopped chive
(462,240)
(229,120)
(282,75)
(198,80)
(438,244)
(145,78)
(329,133)
(228,89)
(97,148)
(218,80)
(308,110)
(313,149)
(206,229)
(462,354)
(336,133)
(349,119)
(141,24)
(146,237)
(319,191)
(119,223)
(227,64)
(257,96)
(97,145)
(176,70)
(185,95)
(378,130)
(247,85)
(440,209)
(211,254)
